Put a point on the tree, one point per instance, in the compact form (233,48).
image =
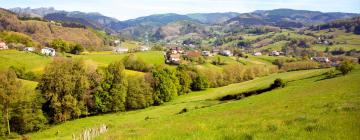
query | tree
(63,85)
(277,83)
(139,93)
(111,95)
(77,49)
(9,92)
(184,80)
(28,115)
(345,67)
(60,45)
(165,85)
(199,83)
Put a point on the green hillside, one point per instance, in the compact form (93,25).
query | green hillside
(309,107)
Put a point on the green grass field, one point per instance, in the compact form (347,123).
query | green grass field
(37,63)
(30,61)
(309,107)
(105,58)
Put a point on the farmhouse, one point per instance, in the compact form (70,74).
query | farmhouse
(121,50)
(3,46)
(176,50)
(226,53)
(29,49)
(274,53)
(144,48)
(48,51)
(320,59)
(173,58)
(257,53)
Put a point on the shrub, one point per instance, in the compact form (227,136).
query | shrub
(277,83)
(330,74)
(22,74)
(132,62)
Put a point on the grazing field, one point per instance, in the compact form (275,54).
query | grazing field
(309,107)
(105,58)
(36,63)
(30,61)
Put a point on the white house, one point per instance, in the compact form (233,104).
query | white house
(226,53)
(117,42)
(3,46)
(48,51)
(257,53)
(29,49)
(275,53)
(121,50)
(144,48)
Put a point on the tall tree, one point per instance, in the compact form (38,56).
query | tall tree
(184,80)
(9,92)
(139,93)
(165,85)
(111,95)
(63,85)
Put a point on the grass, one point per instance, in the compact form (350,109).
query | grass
(37,63)
(274,46)
(308,108)
(30,61)
(105,58)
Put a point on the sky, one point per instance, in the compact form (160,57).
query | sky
(129,9)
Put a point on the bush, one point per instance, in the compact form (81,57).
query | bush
(330,74)
(22,74)
(277,83)
(132,62)
(345,67)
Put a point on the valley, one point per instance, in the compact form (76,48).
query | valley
(265,74)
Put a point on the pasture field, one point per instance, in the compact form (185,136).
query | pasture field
(37,63)
(309,107)
(105,58)
(30,61)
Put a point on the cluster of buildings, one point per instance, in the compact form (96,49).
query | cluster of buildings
(333,61)
(45,51)
(173,54)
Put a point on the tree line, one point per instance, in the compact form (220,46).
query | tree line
(69,89)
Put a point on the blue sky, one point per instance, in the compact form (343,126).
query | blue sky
(128,9)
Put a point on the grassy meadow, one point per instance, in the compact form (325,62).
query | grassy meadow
(309,107)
